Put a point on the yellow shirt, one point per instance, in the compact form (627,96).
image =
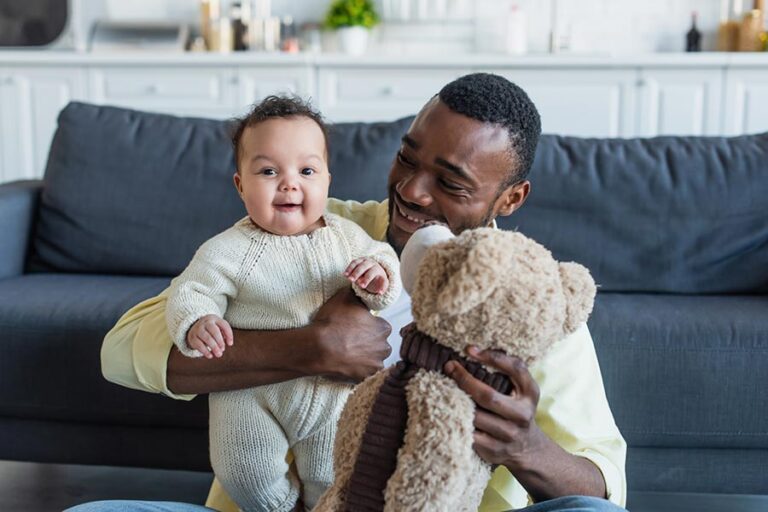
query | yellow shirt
(573,410)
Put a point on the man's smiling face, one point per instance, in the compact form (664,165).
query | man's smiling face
(451,169)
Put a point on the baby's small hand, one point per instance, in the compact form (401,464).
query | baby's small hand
(210,335)
(368,274)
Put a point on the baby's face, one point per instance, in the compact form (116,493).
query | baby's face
(284,178)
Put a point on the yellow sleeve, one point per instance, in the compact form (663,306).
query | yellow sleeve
(135,352)
(372,216)
(573,411)
(219,500)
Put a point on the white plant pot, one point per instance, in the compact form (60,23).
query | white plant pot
(353,40)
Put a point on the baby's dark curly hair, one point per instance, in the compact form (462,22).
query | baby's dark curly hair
(272,107)
(494,99)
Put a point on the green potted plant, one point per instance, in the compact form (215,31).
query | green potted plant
(352,19)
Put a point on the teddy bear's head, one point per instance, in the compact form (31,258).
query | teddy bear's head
(501,290)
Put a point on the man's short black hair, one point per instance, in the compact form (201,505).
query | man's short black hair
(494,99)
(273,107)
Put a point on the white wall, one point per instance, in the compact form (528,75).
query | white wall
(596,26)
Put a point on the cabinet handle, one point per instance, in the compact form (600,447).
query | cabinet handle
(234,80)
(641,82)
(151,89)
(387,90)
(8,80)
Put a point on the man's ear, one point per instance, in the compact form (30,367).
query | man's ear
(512,198)
(238,183)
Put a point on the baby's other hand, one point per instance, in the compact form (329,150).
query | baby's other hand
(368,274)
(210,335)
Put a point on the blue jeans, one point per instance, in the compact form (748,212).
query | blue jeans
(567,504)
(574,504)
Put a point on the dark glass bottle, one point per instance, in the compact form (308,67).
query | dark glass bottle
(239,26)
(693,37)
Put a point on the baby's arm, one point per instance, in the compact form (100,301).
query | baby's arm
(375,264)
(198,300)
(416,247)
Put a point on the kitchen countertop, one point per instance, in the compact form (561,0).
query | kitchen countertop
(671,60)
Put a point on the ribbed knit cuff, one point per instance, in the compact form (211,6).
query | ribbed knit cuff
(386,299)
(425,352)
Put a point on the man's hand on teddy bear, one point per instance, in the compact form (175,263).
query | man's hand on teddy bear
(368,274)
(505,427)
(210,336)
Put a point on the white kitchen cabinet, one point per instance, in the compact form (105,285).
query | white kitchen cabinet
(256,83)
(375,94)
(16,140)
(217,92)
(680,102)
(746,101)
(709,94)
(201,91)
(30,101)
(581,102)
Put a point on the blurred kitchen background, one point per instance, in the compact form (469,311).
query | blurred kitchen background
(587,26)
(604,68)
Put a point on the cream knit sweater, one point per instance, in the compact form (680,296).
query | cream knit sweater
(257,280)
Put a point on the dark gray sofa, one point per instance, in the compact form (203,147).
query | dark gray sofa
(675,231)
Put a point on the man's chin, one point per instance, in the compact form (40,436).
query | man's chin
(397,241)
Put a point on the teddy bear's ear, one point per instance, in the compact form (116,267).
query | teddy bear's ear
(475,280)
(579,289)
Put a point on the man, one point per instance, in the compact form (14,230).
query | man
(463,162)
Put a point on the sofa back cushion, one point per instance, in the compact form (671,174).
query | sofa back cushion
(130,192)
(666,214)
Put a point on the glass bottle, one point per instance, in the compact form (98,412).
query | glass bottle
(693,37)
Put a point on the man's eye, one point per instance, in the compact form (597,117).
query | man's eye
(450,186)
(404,160)
(307,171)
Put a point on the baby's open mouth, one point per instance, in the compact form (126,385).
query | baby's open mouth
(287,207)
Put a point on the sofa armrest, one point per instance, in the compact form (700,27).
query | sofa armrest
(18,206)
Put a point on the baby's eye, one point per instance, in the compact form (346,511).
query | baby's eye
(307,171)
(269,172)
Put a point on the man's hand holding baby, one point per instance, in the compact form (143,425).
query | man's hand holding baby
(210,335)
(368,274)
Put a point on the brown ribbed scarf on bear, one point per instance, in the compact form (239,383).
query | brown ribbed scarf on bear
(385,430)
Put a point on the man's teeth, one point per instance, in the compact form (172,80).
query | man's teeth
(412,219)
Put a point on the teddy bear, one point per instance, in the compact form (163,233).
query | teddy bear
(404,442)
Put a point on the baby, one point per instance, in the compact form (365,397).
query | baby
(273,270)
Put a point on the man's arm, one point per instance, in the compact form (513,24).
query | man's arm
(565,444)
(344,341)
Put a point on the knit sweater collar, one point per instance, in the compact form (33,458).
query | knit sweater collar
(250,228)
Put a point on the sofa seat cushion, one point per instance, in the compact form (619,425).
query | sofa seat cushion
(51,329)
(702,470)
(685,371)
